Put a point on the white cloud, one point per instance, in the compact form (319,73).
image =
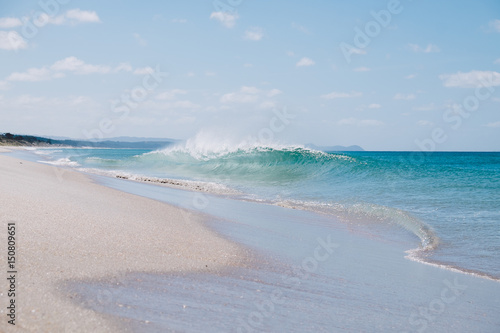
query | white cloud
(211,109)
(494,124)
(10,22)
(374,106)
(170,94)
(123,67)
(72,16)
(497,61)
(362,69)
(427,107)
(58,69)
(4,85)
(31,75)
(274,92)
(300,28)
(405,97)
(425,123)
(139,39)
(249,90)
(143,71)
(471,79)
(83,16)
(27,100)
(58,75)
(355,50)
(360,122)
(185,105)
(305,62)
(73,64)
(267,105)
(209,73)
(78,100)
(179,21)
(290,53)
(430,48)
(238,98)
(411,76)
(227,19)
(335,94)
(254,34)
(44,19)
(11,40)
(247,65)
(185,120)
(244,95)
(495,25)
(190,74)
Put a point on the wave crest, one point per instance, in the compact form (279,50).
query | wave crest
(244,161)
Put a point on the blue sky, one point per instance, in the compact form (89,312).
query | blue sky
(385,75)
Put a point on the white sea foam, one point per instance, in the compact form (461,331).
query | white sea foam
(371,212)
(206,146)
(46,151)
(209,187)
(62,162)
(420,255)
(429,240)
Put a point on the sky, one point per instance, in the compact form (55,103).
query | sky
(385,75)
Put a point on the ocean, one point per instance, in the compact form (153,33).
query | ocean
(443,206)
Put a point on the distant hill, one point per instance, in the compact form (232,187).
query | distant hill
(335,148)
(8,139)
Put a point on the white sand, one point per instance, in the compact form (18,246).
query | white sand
(68,227)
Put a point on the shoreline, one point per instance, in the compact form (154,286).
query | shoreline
(205,187)
(70,228)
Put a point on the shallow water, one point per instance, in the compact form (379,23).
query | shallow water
(315,274)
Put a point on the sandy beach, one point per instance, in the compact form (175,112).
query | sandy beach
(70,228)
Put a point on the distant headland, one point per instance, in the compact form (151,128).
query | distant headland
(8,139)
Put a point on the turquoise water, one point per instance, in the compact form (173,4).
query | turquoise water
(448,202)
